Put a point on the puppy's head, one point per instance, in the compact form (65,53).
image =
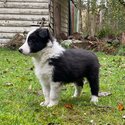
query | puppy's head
(36,41)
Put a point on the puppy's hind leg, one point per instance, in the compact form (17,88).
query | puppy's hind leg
(78,88)
(93,79)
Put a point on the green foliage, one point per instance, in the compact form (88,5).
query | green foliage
(121,50)
(19,103)
(66,43)
(105,32)
(108,13)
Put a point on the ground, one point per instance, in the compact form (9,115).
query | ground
(20,96)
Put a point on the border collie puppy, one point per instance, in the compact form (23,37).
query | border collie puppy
(55,66)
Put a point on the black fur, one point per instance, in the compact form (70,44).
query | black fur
(38,40)
(75,64)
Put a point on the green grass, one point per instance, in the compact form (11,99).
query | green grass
(19,102)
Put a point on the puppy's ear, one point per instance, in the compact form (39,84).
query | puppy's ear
(45,33)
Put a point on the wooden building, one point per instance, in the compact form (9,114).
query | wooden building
(18,16)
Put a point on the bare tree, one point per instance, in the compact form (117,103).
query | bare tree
(80,15)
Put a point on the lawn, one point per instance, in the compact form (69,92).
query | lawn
(20,96)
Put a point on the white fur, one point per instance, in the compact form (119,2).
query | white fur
(77,91)
(43,71)
(25,46)
(94,99)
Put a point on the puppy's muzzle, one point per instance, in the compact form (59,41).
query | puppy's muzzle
(20,50)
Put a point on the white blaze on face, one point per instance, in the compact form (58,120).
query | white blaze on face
(25,47)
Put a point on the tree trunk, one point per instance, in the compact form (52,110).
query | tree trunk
(80,16)
(92,30)
(93,18)
(88,18)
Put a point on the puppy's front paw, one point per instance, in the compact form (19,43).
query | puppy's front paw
(74,96)
(45,103)
(52,104)
(94,99)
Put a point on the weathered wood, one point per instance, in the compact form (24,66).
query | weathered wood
(39,1)
(18,23)
(64,26)
(23,17)
(15,29)
(51,15)
(17,16)
(64,15)
(6,35)
(24,11)
(123,39)
(65,30)
(4,41)
(64,21)
(24,5)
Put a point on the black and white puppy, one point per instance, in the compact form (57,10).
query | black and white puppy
(55,66)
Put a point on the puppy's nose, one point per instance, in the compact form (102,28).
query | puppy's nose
(20,50)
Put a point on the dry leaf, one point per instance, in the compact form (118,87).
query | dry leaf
(30,87)
(120,107)
(9,84)
(68,106)
(123,116)
(91,121)
(101,94)
(39,93)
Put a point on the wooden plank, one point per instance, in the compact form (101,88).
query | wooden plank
(18,23)
(64,3)
(24,5)
(64,15)
(24,11)
(64,12)
(23,17)
(16,29)
(6,35)
(4,41)
(64,30)
(64,26)
(64,21)
(36,1)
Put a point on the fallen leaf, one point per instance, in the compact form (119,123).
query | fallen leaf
(123,116)
(68,106)
(9,84)
(31,68)
(101,94)
(91,121)
(40,93)
(6,71)
(30,87)
(120,107)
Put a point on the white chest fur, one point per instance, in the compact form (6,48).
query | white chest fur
(42,69)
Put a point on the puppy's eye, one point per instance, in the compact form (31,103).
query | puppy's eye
(32,38)
(30,42)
